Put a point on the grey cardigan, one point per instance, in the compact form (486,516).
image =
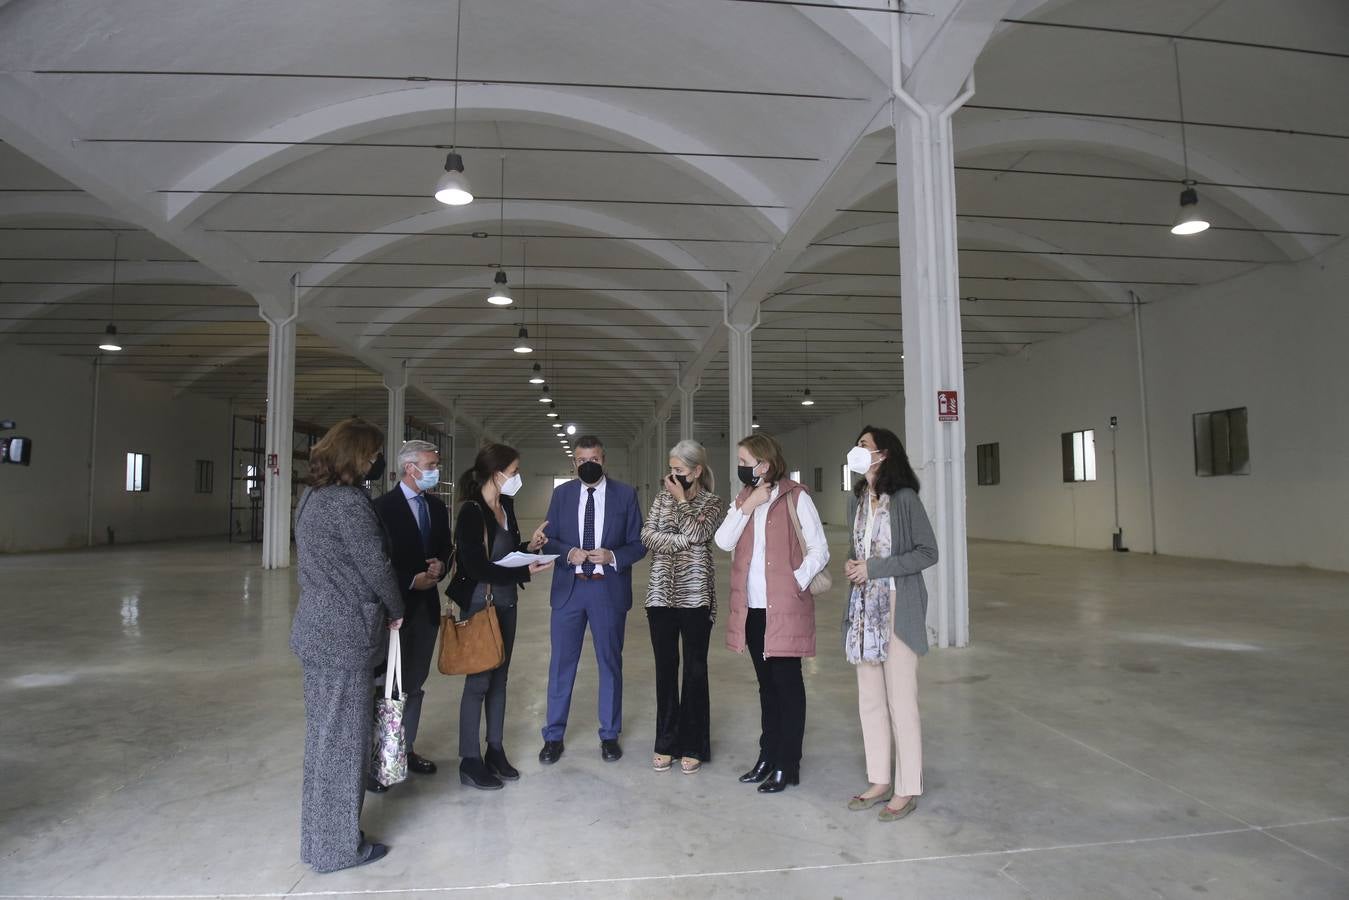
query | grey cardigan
(348,589)
(913,547)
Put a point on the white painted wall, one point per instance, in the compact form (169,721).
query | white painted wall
(1272,340)
(45,505)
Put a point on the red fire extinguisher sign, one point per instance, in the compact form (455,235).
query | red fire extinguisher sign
(948,406)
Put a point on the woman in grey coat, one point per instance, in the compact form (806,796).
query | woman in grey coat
(885,627)
(348,592)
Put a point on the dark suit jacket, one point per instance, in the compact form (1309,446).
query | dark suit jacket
(622,534)
(474,562)
(406,552)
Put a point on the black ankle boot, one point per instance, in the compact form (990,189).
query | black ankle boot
(474,773)
(777,782)
(498,764)
(758,773)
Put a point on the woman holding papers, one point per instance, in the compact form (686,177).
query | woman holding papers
(485,532)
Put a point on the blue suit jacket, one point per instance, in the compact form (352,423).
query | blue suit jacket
(622,534)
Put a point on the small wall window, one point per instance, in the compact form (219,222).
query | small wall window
(989,472)
(558,482)
(1220,445)
(137,471)
(1079,455)
(795,475)
(205,476)
(819,479)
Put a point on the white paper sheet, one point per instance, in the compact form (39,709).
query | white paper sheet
(518,560)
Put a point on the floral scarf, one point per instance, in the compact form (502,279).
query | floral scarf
(866,635)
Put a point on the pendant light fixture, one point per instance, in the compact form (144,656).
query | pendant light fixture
(110,342)
(1190,219)
(501,294)
(545,397)
(537,377)
(805,397)
(452,188)
(756,422)
(522,344)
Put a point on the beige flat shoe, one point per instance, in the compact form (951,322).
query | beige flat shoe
(894,815)
(859,803)
(690,766)
(661,763)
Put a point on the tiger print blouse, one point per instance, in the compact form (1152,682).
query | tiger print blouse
(679,536)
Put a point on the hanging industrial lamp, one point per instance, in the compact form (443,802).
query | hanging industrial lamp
(110,342)
(452,188)
(522,341)
(545,397)
(501,294)
(1190,219)
(805,398)
(537,377)
(756,422)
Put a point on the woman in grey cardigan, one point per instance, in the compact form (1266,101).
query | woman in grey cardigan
(348,592)
(885,627)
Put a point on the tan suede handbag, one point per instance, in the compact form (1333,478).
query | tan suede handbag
(822,581)
(473,645)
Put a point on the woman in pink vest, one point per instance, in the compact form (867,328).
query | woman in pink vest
(772,610)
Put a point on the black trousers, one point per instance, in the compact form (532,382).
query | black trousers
(782,700)
(421,628)
(682,710)
(489,689)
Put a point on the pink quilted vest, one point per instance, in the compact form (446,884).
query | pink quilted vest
(790,617)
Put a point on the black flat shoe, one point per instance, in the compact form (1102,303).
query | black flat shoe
(499,765)
(551,752)
(421,765)
(374,786)
(610,751)
(475,774)
(375,853)
(758,773)
(777,782)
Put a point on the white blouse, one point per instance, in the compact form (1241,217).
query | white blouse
(817,548)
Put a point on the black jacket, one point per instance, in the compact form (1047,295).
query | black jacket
(474,562)
(405,547)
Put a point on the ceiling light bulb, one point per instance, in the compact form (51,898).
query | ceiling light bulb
(552,414)
(537,377)
(522,344)
(756,422)
(501,294)
(1189,220)
(110,340)
(571,429)
(452,188)
(557,424)
(805,399)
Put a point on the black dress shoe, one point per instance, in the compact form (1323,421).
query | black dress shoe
(374,852)
(374,786)
(551,752)
(421,765)
(758,773)
(777,782)
(610,751)
(499,765)
(475,774)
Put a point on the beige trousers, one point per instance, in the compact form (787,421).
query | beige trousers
(887,702)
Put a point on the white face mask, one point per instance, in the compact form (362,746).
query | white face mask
(859,459)
(511,485)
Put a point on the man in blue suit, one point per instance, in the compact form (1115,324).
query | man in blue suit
(595,525)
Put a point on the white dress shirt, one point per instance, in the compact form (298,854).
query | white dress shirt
(599,518)
(817,547)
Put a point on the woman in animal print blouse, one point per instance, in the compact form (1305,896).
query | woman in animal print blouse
(681,604)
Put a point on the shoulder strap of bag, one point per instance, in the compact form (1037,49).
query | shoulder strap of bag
(393,670)
(796,523)
(486,545)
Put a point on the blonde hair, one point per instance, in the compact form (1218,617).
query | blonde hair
(691,454)
(765,448)
(342,456)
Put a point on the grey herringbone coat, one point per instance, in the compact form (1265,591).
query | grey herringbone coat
(348,589)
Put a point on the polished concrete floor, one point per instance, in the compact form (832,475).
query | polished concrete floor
(1123,726)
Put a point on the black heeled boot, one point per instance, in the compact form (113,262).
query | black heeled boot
(760,771)
(473,772)
(498,764)
(777,782)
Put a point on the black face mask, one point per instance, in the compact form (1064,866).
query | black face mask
(376,469)
(747,476)
(590,471)
(684,481)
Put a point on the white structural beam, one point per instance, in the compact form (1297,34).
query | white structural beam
(397,386)
(687,393)
(280,435)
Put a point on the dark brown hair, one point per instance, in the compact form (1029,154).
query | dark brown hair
(765,448)
(491,459)
(895,472)
(342,456)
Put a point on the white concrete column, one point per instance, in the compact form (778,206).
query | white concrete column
(686,395)
(394,428)
(739,348)
(659,461)
(280,435)
(933,359)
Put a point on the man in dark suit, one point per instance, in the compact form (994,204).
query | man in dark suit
(418,526)
(595,525)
